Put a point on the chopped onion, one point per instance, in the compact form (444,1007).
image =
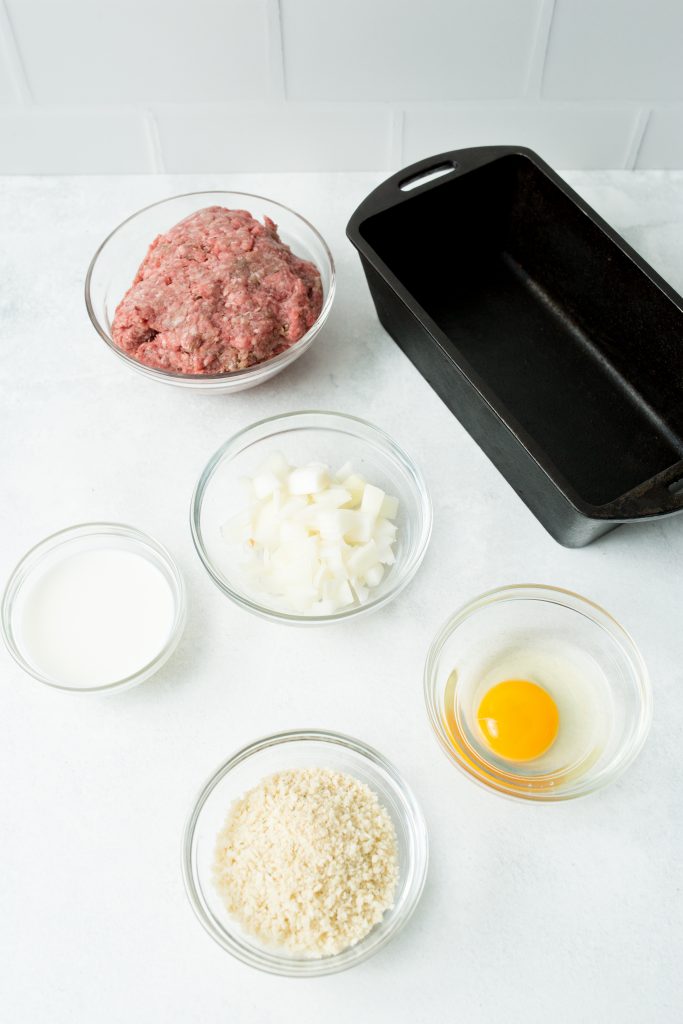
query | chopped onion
(317,540)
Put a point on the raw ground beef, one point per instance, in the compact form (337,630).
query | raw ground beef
(218,292)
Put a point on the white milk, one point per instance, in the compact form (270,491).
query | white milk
(95,617)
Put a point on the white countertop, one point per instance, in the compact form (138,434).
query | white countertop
(564,913)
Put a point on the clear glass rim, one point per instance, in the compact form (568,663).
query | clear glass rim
(271,962)
(573,602)
(219,379)
(383,441)
(32,558)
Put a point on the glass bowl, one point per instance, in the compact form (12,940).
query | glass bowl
(116,263)
(302,437)
(572,648)
(71,541)
(310,748)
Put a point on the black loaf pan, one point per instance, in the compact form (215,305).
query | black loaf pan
(557,347)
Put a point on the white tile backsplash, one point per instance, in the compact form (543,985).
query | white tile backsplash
(291,137)
(54,141)
(384,50)
(201,85)
(615,49)
(8,91)
(662,145)
(120,51)
(13,85)
(566,135)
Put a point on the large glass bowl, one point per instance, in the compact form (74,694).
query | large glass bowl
(331,438)
(308,748)
(116,263)
(609,713)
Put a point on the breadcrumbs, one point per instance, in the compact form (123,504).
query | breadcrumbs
(308,860)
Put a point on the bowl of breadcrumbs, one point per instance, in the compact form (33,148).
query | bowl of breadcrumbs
(305,853)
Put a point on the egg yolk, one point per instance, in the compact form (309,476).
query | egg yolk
(519,720)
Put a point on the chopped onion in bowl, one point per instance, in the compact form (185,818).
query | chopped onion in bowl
(318,541)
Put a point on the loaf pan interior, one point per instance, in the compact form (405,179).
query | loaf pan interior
(572,343)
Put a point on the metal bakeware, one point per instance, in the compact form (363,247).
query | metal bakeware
(558,348)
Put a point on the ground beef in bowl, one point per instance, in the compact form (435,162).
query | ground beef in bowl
(217,293)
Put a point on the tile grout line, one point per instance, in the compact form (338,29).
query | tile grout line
(635,144)
(12,54)
(155,150)
(539,51)
(276,51)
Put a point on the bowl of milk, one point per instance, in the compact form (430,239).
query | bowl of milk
(95,607)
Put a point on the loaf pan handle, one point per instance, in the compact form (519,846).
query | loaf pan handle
(405,183)
(653,499)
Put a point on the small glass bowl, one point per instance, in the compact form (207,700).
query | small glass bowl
(309,748)
(71,541)
(302,437)
(616,702)
(116,263)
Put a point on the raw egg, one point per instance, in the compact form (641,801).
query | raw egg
(518,719)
